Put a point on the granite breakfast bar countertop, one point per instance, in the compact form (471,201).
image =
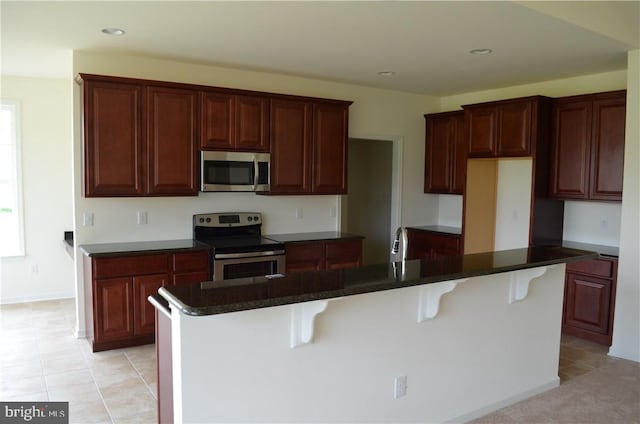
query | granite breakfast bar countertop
(210,298)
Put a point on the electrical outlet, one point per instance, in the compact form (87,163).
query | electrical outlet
(34,269)
(299,213)
(142,217)
(332,212)
(400,387)
(87,219)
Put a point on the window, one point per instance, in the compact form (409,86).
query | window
(11,241)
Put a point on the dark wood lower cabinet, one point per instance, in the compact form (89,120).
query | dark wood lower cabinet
(589,299)
(114,317)
(322,255)
(117,287)
(430,245)
(143,312)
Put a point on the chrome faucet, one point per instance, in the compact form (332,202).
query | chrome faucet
(401,237)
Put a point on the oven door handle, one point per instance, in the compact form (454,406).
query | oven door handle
(248,254)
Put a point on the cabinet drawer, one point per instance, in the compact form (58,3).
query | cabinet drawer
(304,252)
(190,261)
(600,267)
(439,242)
(190,278)
(343,250)
(129,265)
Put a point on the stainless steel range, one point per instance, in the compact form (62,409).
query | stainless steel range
(237,247)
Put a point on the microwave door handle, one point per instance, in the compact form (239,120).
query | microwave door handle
(256,170)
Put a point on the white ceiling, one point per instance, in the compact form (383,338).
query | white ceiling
(425,43)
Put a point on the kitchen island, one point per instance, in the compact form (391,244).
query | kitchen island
(447,339)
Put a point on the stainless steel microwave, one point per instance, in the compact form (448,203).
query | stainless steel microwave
(234,171)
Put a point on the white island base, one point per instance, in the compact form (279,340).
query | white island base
(466,349)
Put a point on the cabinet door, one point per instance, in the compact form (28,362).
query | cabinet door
(460,153)
(171,141)
(482,123)
(302,257)
(343,254)
(514,131)
(438,154)
(570,150)
(113,311)
(418,246)
(607,149)
(290,147)
(443,245)
(330,149)
(587,302)
(113,153)
(217,121)
(251,123)
(143,311)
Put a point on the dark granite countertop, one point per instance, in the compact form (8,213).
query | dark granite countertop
(601,249)
(109,249)
(439,229)
(305,237)
(209,298)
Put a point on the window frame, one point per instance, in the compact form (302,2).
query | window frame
(14,106)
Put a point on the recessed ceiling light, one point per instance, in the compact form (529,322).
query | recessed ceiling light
(386,73)
(113,31)
(480,51)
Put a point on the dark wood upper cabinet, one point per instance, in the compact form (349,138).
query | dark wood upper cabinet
(445,153)
(291,122)
(571,149)
(507,128)
(139,139)
(587,155)
(216,126)
(234,122)
(251,126)
(171,141)
(308,147)
(113,133)
(514,128)
(329,149)
(483,122)
(607,148)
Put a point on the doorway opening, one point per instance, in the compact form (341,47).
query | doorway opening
(372,206)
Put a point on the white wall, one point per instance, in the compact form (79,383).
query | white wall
(626,327)
(375,113)
(46,270)
(513,204)
(592,222)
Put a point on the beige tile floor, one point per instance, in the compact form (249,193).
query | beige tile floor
(41,360)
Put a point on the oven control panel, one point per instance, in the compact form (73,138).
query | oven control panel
(235,219)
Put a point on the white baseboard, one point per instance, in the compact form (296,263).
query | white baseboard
(506,402)
(37,298)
